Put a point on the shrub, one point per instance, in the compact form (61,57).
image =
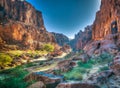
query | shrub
(73,75)
(104,58)
(85,65)
(104,68)
(5,59)
(15,78)
(48,47)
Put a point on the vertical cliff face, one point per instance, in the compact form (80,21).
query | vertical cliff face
(61,39)
(82,38)
(107,19)
(22,25)
(22,11)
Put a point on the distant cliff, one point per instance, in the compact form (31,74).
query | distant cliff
(108,14)
(22,25)
(81,38)
(61,39)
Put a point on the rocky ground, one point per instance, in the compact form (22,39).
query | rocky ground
(52,73)
(97,66)
(69,70)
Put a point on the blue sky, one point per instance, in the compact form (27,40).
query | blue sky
(67,16)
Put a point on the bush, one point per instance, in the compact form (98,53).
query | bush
(104,68)
(86,65)
(48,47)
(73,75)
(104,58)
(5,59)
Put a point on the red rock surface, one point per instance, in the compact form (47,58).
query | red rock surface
(22,25)
(109,44)
(108,13)
(22,11)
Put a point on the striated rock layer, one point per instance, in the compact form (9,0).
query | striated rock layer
(22,25)
(107,18)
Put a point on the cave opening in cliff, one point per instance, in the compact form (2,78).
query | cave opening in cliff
(98,45)
(114,28)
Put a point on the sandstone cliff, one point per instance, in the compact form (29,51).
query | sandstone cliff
(107,18)
(22,25)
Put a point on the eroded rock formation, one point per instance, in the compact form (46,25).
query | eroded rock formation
(22,25)
(22,11)
(82,38)
(107,19)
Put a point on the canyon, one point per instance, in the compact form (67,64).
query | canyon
(90,60)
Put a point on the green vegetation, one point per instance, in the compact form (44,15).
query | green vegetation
(14,78)
(32,53)
(86,65)
(73,75)
(103,58)
(48,47)
(15,53)
(5,59)
(84,68)
(103,68)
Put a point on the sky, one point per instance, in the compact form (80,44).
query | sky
(67,16)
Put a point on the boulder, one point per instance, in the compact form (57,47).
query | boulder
(38,84)
(83,58)
(115,65)
(76,85)
(56,53)
(48,79)
(99,78)
(65,65)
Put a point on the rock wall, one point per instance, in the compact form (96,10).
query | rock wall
(82,38)
(22,25)
(108,14)
(22,11)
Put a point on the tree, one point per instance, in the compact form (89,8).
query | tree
(5,59)
(48,47)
